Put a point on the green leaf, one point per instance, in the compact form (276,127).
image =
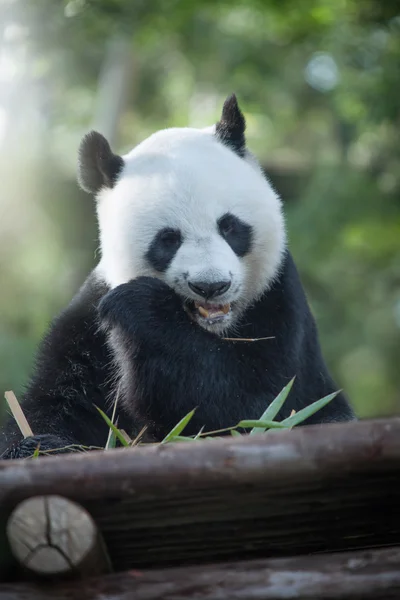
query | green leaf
(306,412)
(36,453)
(181,438)
(235,433)
(262,425)
(112,441)
(114,429)
(274,407)
(177,430)
(199,434)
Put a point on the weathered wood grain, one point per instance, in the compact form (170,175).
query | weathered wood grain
(356,576)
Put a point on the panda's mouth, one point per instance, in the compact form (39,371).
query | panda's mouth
(210,313)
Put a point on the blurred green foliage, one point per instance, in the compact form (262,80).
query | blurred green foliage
(319,82)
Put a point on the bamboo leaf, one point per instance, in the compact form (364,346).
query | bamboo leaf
(112,440)
(306,412)
(274,407)
(111,425)
(262,425)
(181,438)
(199,434)
(177,430)
(235,433)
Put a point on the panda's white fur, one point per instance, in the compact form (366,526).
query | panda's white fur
(187,179)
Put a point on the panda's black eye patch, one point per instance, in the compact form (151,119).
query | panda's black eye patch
(170,237)
(239,235)
(163,248)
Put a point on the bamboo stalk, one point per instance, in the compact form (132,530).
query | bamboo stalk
(18,414)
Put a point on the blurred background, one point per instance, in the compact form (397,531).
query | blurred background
(319,83)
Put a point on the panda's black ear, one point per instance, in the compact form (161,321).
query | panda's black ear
(231,127)
(97,165)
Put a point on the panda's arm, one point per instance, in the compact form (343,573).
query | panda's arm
(170,365)
(70,376)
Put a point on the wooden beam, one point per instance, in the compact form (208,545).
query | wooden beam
(373,575)
(312,489)
(52,536)
(285,457)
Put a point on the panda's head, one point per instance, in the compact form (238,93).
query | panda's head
(193,208)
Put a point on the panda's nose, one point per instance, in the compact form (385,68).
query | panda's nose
(209,290)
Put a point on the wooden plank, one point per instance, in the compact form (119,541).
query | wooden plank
(312,489)
(353,576)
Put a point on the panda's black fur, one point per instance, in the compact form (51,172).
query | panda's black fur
(137,338)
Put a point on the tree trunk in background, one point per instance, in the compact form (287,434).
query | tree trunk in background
(115,80)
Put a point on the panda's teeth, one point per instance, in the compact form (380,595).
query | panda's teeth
(212,311)
(204,313)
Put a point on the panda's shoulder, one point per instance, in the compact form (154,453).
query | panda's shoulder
(78,322)
(89,294)
(286,293)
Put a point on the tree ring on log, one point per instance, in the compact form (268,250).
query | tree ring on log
(51,535)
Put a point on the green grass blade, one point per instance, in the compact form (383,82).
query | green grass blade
(114,429)
(262,425)
(274,407)
(306,412)
(177,430)
(37,451)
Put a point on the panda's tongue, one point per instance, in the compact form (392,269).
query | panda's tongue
(210,311)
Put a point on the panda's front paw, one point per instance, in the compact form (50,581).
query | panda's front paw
(46,443)
(139,304)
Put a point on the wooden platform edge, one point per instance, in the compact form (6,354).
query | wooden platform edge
(304,452)
(366,575)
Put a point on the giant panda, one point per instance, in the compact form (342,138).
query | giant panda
(194,254)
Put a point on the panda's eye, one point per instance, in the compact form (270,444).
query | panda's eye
(226,225)
(163,248)
(237,233)
(171,237)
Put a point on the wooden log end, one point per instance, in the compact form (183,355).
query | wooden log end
(51,535)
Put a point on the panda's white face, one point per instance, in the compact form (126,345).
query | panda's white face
(187,209)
